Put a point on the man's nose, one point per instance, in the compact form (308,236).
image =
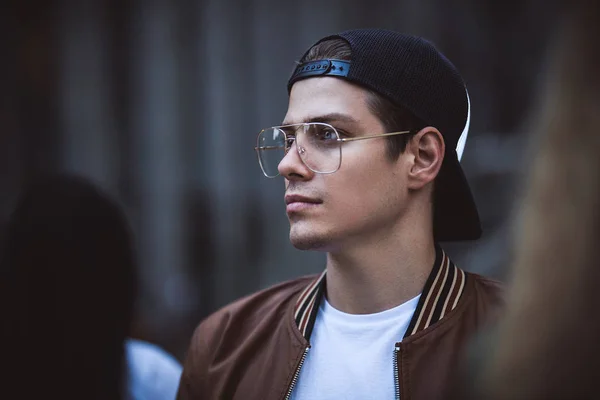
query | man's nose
(292,167)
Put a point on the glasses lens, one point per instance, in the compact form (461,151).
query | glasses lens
(271,150)
(319,147)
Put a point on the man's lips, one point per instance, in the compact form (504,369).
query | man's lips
(297,203)
(296,198)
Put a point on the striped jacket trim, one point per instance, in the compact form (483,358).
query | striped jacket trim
(441,294)
(307,305)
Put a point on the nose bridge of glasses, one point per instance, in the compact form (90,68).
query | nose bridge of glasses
(290,132)
(293,158)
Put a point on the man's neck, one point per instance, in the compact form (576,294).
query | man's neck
(373,277)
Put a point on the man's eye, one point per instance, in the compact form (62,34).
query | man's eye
(326,134)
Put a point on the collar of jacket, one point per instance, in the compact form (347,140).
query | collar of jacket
(441,294)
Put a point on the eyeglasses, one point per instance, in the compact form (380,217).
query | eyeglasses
(318,144)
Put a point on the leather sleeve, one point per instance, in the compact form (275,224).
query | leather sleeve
(193,378)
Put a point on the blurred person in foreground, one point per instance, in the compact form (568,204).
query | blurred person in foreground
(548,346)
(68,283)
(368,152)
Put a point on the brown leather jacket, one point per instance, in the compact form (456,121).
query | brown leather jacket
(255,347)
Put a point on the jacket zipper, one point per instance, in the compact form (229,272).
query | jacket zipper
(397,370)
(297,374)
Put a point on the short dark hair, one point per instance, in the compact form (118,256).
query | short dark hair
(393,116)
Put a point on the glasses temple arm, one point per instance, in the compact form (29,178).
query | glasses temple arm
(373,136)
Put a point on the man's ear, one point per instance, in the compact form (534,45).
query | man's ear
(427,148)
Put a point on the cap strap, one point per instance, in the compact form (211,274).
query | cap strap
(320,67)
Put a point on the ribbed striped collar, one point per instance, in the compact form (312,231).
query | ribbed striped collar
(441,294)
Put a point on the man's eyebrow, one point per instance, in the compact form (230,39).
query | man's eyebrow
(327,118)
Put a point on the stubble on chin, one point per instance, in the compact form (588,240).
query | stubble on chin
(305,239)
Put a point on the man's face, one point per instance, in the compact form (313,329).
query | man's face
(366,197)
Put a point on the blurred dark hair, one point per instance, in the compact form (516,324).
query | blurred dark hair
(67,290)
(393,117)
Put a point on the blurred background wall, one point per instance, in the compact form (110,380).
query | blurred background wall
(160,102)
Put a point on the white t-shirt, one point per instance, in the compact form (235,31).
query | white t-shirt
(351,356)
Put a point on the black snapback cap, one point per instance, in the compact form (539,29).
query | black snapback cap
(410,72)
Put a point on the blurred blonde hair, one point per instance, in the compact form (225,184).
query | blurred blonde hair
(548,346)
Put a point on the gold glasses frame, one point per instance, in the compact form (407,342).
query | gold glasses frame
(287,146)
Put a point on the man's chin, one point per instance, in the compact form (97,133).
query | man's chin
(307,240)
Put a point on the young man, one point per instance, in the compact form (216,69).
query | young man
(367,150)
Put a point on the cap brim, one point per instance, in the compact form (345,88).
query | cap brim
(455,213)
